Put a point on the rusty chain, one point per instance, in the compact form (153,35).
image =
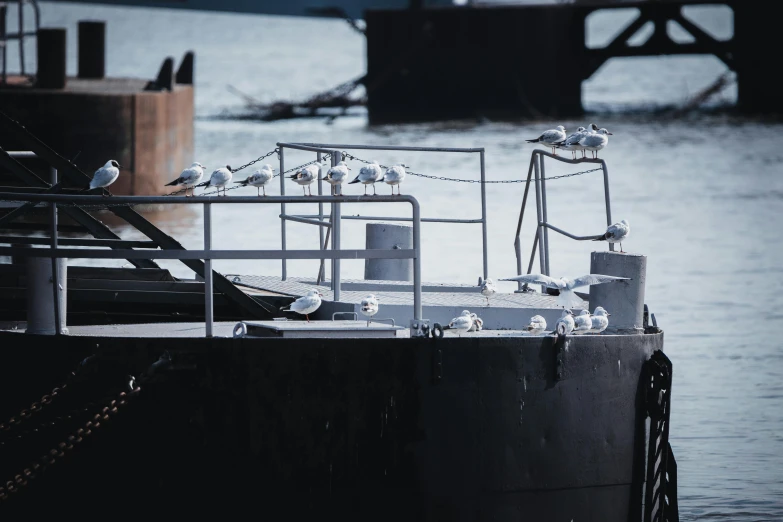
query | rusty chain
(34,408)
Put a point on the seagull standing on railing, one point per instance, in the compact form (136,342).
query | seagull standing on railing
(305,177)
(461,324)
(219,178)
(583,322)
(259,179)
(368,175)
(616,233)
(537,325)
(487,288)
(189,178)
(395,176)
(369,306)
(567,297)
(104,176)
(306,304)
(595,141)
(599,320)
(551,137)
(572,141)
(336,175)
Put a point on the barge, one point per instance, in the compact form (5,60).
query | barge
(391,419)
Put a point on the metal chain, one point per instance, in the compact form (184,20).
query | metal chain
(443,178)
(275,151)
(35,407)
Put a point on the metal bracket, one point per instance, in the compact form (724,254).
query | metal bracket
(354,314)
(420,328)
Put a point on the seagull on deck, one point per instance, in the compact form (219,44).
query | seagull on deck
(537,325)
(583,322)
(368,175)
(219,178)
(572,141)
(565,325)
(461,324)
(259,179)
(189,178)
(595,141)
(478,323)
(305,177)
(369,306)
(488,288)
(336,175)
(104,176)
(616,233)
(551,137)
(567,297)
(395,176)
(306,304)
(599,320)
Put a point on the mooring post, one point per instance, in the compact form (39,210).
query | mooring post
(208,297)
(51,58)
(624,300)
(92,49)
(41,300)
(385,236)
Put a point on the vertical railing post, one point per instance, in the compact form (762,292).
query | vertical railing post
(320,218)
(417,309)
(208,297)
(336,218)
(55,272)
(539,227)
(282,211)
(517,240)
(484,213)
(607,200)
(545,244)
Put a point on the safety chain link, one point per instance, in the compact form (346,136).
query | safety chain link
(29,473)
(34,408)
(443,178)
(275,151)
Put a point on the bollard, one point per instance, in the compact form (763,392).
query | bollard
(92,49)
(624,300)
(51,58)
(385,236)
(40,304)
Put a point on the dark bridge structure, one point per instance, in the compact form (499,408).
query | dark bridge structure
(530,61)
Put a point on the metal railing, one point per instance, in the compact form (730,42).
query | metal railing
(207,253)
(19,35)
(333,226)
(543,226)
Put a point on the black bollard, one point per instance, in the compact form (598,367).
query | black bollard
(92,49)
(51,58)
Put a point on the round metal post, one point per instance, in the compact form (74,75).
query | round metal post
(92,49)
(623,299)
(417,310)
(51,44)
(58,323)
(607,200)
(386,236)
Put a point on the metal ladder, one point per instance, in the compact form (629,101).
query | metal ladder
(19,35)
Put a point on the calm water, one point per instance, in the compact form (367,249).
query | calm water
(703,195)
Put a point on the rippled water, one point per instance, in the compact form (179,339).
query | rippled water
(704,195)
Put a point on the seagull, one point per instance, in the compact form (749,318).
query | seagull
(551,137)
(259,178)
(583,322)
(218,179)
(537,325)
(104,176)
(189,177)
(572,141)
(616,233)
(369,174)
(336,175)
(369,306)
(305,177)
(478,323)
(565,325)
(487,288)
(600,320)
(306,304)
(567,298)
(462,323)
(394,176)
(595,141)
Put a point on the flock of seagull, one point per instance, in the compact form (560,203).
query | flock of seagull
(591,138)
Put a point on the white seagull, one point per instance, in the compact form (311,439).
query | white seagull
(462,323)
(189,178)
(595,141)
(305,177)
(104,176)
(487,288)
(478,323)
(572,141)
(336,175)
(306,304)
(537,325)
(551,137)
(368,175)
(259,178)
(369,306)
(395,176)
(616,233)
(567,297)
(565,325)
(582,322)
(600,320)
(219,178)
